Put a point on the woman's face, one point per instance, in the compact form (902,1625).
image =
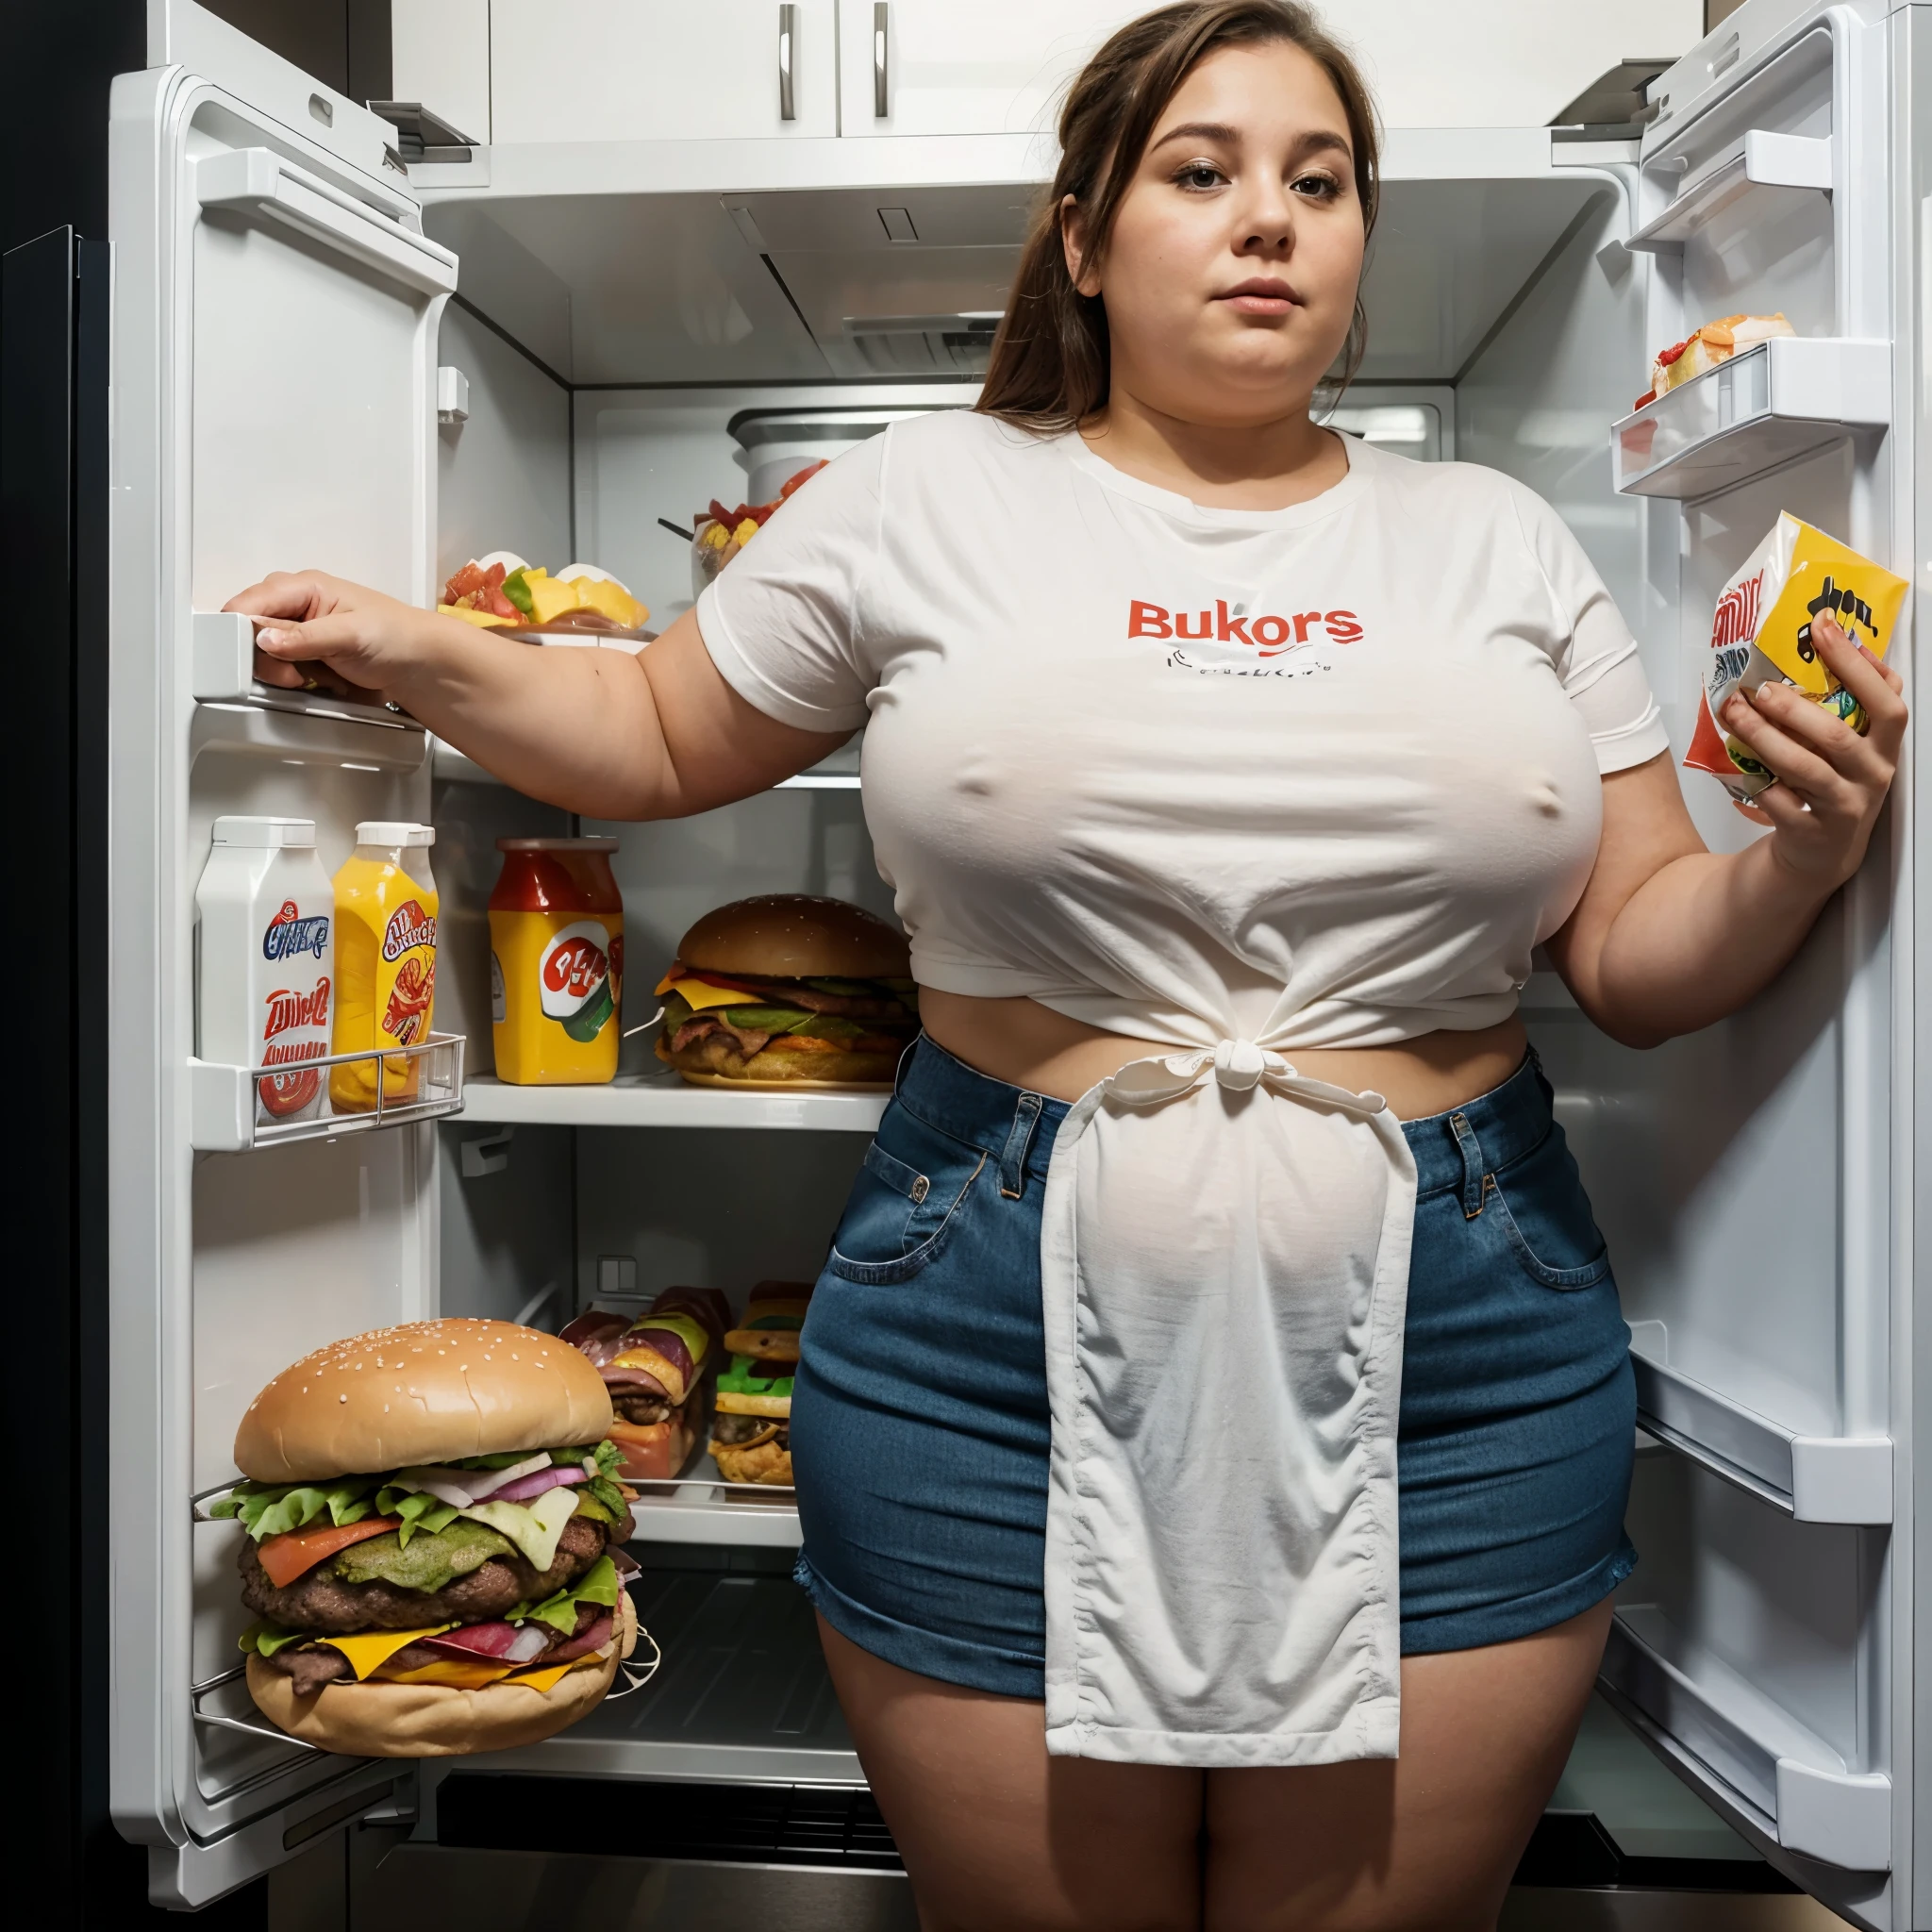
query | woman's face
(1230,276)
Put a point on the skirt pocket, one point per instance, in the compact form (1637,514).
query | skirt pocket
(902,1206)
(1547,1217)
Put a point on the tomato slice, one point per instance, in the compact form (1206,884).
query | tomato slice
(296,1552)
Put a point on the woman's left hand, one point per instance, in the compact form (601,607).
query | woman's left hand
(1831,781)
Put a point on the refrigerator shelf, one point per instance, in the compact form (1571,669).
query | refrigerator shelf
(829,774)
(1778,1778)
(663,1100)
(1765,406)
(225,1114)
(702,1508)
(1791,162)
(1810,1478)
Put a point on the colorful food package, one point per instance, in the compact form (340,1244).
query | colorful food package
(721,533)
(556,962)
(386,908)
(265,960)
(1761,634)
(655,1369)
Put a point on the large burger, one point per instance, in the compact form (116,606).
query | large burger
(654,1368)
(788,991)
(431,1518)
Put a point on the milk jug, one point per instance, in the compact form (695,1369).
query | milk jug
(265,960)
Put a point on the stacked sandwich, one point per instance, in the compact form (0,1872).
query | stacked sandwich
(788,991)
(654,1368)
(432,1515)
(1705,348)
(750,1431)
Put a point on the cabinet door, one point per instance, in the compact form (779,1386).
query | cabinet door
(649,70)
(998,66)
(274,364)
(935,67)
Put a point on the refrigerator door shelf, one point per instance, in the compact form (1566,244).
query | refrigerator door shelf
(1812,1478)
(1791,161)
(1780,400)
(225,1116)
(663,1100)
(830,774)
(223,673)
(1779,1777)
(704,1509)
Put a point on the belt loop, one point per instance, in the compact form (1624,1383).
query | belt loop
(1475,1182)
(1018,1140)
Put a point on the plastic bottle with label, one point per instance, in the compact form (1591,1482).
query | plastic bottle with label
(386,910)
(556,962)
(265,960)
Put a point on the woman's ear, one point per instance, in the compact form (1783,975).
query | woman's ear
(1073,245)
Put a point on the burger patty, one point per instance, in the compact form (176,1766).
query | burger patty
(719,1053)
(312,1665)
(639,1406)
(322,1601)
(734,1429)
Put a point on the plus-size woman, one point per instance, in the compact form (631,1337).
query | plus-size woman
(1214,1424)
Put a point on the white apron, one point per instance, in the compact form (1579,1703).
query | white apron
(1224,1262)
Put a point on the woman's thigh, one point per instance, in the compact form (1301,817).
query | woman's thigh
(998,1837)
(1423,1843)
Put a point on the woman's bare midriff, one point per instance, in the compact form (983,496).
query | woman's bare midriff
(1029,1045)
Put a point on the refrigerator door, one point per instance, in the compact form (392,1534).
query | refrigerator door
(274,323)
(1750,1178)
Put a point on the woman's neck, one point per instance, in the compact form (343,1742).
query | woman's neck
(1267,465)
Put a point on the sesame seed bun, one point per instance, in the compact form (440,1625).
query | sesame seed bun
(795,936)
(421,1393)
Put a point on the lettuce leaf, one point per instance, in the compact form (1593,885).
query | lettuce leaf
(598,1585)
(418,1508)
(265,1639)
(609,1495)
(268,1510)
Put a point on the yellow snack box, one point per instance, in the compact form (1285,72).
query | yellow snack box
(1760,633)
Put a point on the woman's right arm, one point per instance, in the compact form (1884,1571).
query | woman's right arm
(598,732)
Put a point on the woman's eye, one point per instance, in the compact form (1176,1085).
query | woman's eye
(1198,174)
(1317,187)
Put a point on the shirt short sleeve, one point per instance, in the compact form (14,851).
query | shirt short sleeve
(1594,654)
(781,620)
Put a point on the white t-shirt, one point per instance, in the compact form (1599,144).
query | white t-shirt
(1317,776)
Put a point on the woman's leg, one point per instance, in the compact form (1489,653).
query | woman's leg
(1424,1843)
(997,1835)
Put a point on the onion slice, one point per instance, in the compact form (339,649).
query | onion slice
(537,1482)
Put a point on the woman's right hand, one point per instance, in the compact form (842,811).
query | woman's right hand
(336,635)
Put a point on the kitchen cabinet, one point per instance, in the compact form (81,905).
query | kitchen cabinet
(999,66)
(649,70)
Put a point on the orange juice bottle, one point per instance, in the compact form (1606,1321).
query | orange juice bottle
(386,908)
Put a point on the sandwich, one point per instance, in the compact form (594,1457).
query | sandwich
(750,1431)
(1705,348)
(653,1368)
(788,991)
(431,1521)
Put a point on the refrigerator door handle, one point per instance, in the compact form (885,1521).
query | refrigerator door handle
(881,18)
(257,180)
(787,33)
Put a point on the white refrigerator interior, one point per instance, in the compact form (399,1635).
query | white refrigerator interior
(626,302)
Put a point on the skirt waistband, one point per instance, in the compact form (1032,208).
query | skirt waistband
(1456,1149)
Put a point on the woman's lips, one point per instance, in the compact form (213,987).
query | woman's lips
(1262,298)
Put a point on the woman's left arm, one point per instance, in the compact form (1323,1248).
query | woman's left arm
(1669,937)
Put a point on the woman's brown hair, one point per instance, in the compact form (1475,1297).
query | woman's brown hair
(1049,368)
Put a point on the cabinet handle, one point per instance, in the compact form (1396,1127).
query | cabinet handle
(878,59)
(787,30)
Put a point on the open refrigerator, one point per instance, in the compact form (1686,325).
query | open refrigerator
(321,355)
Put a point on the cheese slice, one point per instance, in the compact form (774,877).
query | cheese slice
(454,1672)
(483,620)
(549,1677)
(372,1649)
(534,1527)
(700,993)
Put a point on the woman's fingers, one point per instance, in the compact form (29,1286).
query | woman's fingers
(1820,730)
(1876,684)
(297,594)
(1808,774)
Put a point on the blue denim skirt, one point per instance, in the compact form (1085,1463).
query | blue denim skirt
(920,1426)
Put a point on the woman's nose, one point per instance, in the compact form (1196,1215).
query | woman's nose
(1267,225)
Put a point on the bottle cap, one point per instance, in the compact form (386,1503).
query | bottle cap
(262,835)
(393,832)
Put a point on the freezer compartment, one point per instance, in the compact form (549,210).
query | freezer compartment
(1782,399)
(742,1694)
